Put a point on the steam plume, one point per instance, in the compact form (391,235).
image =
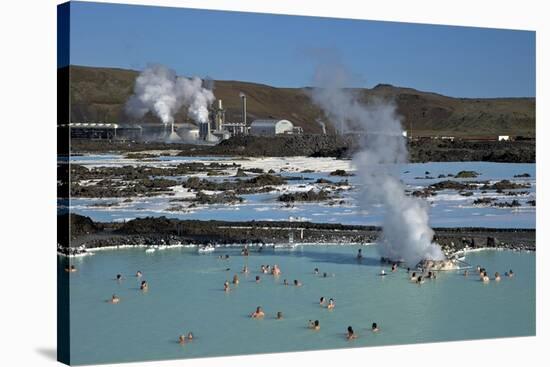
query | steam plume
(158,89)
(406,234)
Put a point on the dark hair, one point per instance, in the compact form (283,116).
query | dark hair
(316,323)
(257,277)
(414,274)
(374,325)
(350,330)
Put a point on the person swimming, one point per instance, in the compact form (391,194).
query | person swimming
(314,325)
(419,280)
(322,301)
(351,334)
(316,271)
(285,282)
(297,283)
(257,279)
(279,315)
(226,287)
(497,276)
(144,286)
(413,277)
(245,269)
(485,278)
(244,251)
(510,274)
(114,299)
(374,328)
(181,339)
(408,270)
(119,277)
(276,271)
(190,336)
(139,274)
(394,267)
(258,314)
(360,254)
(70,269)
(325,275)
(331,304)
(235,279)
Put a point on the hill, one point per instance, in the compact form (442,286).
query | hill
(99,95)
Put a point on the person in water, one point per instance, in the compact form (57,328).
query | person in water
(258,314)
(114,299)
(322,301)
(70,269)
(413,277)
(190,336)
(285,282)
(374,328)
(510,274)
(181,339)
(465,273)
(119,277)
(279,315)
(382,272)
(235,279)
(497,276)
(139,274)
(331,304)
(419,280)
(297,283)
(245,269)
(394,268)
(257,279)
(359,254)
(316,271)
(485,277)
(408,270)
(478,269)
(276,271)
(314,325)
(144,286)
(226,287)
(351,334)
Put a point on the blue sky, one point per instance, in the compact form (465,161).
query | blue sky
(281,50)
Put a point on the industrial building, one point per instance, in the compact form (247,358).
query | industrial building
(103,131)
(271,127)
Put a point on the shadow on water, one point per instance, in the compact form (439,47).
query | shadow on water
(49,353)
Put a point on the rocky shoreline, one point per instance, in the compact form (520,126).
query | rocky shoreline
(162,231)
(312,145)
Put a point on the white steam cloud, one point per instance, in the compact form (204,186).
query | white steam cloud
(158,89)
(406,235)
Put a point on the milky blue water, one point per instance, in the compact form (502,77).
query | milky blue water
(447,208)
(186,294)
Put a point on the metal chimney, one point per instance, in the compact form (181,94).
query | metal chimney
(243,106)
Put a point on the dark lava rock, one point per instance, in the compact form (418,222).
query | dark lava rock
(452,185)
(340,172)
(508,204)
(467,174)
(484,201)
(310,195)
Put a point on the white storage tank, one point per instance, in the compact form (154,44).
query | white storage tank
(271,127)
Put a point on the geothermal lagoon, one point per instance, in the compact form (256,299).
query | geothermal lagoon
(186,295)
(186,289)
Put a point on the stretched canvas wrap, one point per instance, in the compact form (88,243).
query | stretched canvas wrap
(236,183)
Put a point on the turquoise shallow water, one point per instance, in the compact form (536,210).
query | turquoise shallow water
(186,294)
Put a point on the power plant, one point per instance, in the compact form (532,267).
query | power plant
(215,128)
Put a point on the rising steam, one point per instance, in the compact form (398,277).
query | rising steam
(406,235)
(158,89)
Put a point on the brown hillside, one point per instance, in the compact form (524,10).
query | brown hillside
(99,94)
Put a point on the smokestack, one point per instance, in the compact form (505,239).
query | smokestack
(243,106)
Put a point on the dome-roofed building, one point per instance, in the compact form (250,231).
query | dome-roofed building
(271,127)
